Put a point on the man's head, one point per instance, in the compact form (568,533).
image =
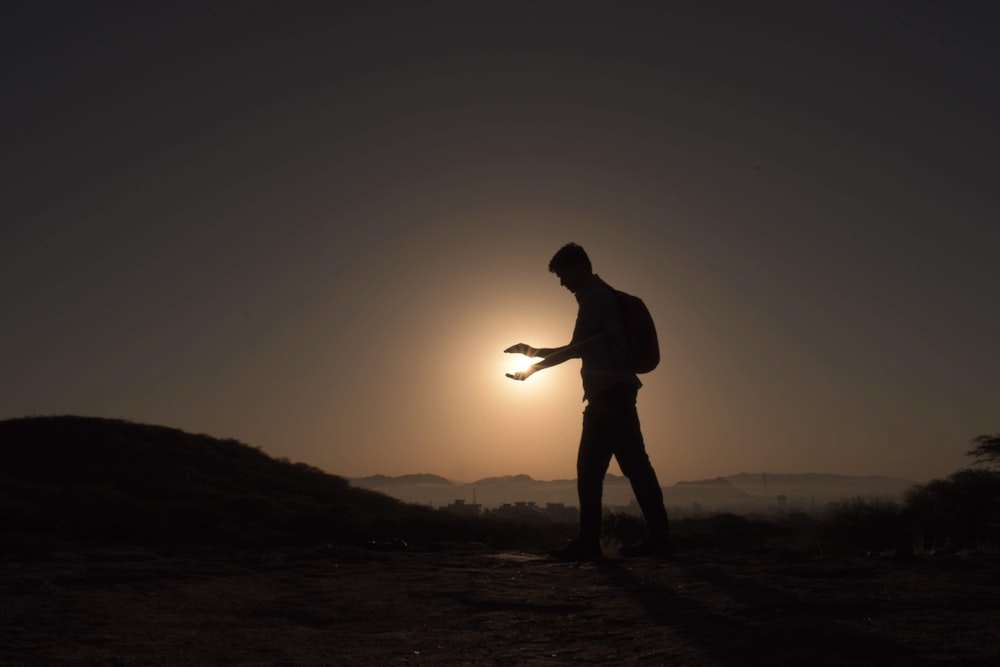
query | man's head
(572,265)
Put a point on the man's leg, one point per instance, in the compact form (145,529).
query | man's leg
(634,462)
(648,494)
(592,463)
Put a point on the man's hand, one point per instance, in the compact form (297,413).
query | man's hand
(523,375)
(522,348)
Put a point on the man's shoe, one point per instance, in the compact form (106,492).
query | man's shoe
(651,547)
(577,552)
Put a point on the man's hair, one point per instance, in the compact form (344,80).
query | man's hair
(570,255)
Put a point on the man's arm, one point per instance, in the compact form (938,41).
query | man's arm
(557,355)
(586,330)
(551,356)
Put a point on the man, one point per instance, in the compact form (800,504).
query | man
(610,420)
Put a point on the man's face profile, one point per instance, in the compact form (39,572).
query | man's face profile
(571,277)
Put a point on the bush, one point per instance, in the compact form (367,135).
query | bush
(868,524)
(960,512)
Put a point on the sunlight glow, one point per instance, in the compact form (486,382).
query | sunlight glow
(522,362)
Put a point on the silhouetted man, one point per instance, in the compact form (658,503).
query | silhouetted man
(610,420)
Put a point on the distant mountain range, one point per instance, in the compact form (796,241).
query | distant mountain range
(735,492)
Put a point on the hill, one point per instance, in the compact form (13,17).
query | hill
(91,480)
(402,480)
(743,492)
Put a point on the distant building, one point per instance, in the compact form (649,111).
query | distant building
(459,506)
(559,512)
(522,509)
(527,510)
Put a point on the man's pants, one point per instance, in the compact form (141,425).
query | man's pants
(611,428)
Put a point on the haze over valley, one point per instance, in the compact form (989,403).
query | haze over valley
(742,492)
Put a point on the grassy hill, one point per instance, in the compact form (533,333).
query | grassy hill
(103,481)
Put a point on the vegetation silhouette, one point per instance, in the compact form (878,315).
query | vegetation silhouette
(93,481)
(987,449)
(960,512)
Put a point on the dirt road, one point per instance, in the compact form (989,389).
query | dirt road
(475,606)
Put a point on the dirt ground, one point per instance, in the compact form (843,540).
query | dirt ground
(473,606)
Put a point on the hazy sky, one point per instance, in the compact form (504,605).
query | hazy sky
(314,227)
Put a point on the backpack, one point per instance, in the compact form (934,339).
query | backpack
(643,348)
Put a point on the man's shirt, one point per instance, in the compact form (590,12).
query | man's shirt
(605,362)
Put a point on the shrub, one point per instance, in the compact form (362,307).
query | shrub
(960,512)
(869,524)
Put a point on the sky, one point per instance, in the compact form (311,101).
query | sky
(314,227)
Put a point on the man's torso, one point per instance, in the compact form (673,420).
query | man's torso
(604,359)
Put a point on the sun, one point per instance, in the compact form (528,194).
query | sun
(522,362)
